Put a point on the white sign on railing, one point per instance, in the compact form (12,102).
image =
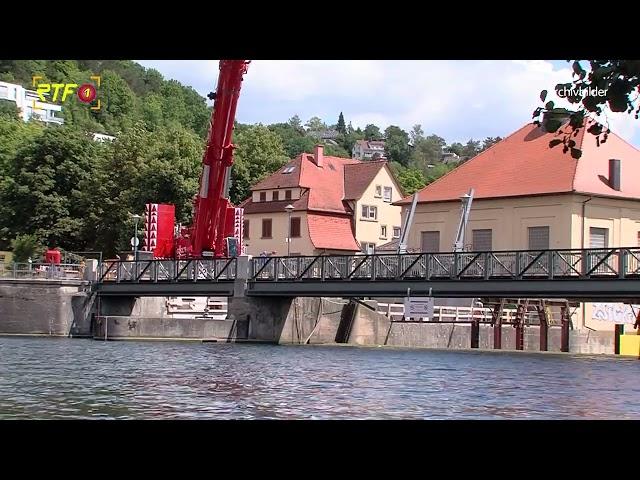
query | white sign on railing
(418,307)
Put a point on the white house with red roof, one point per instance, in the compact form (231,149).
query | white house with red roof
(529,195)
(368,150)
(339,206)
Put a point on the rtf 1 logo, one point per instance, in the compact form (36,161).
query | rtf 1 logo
(86,92)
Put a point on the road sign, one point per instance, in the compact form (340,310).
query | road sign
(135,241)
(418,307)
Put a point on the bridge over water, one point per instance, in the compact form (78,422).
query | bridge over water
(581,274)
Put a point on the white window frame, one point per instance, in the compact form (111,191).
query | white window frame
(378,193)
(399,230)
(369,213)
(390,190)
(383,231)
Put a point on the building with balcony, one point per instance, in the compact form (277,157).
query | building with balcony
(530,196)
(368,150)
(29,104)
(339,206)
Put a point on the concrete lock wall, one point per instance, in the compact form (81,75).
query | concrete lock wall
(51,307)
(135,327)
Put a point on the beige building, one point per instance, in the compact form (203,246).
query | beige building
(529,196)
(337,206)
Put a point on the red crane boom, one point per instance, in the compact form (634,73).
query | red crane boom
(215,221)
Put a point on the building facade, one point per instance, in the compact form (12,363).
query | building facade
(368,150)
(529,196)
(328,205)
(29,104)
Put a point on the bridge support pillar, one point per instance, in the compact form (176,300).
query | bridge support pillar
(242,275)
(497,327)
(544,328)
(475,334)
(564,336)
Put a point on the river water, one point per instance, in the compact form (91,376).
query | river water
(45,378)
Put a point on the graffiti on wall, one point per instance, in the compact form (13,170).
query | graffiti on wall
(614,312)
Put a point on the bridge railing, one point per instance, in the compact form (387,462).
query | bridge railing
(43,271)
(524,264)
(193,270)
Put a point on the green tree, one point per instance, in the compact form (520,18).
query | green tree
(25,247)
(336,151)
(341,127)
(416,134)
(118,102)
(427,151)
(604,86)
(372,132)
(488,142)
(456,148)
(9,110)
(294,140)
(296,124)
(397,145)
(42,193)
(259,153)
(411,179)
(471,149)
(315,124)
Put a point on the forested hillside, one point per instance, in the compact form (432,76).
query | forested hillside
(61,188)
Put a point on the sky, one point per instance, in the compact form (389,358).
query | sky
(457,99)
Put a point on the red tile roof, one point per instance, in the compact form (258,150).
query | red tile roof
(523,164)
(325,190)
(331,232)
(358,176)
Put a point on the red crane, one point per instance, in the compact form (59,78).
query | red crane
(217,225)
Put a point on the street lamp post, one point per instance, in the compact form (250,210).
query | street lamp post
(289,208)
(136,218)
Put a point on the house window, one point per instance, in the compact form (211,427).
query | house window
(275,196)
(598,237)
(4,91)
(378,191)
(387,194)
(383,231)
(482,240)
(295,227)
(287,194)
(369,212)
(538,238)
(396,232)
(369,248)
(266,228)
(245,228)
(430,241)
(263,196)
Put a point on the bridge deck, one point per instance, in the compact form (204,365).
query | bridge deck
(612,274)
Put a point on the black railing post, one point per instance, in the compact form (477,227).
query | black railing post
(487,265)
(322,260)
(518,275)
(584,263)
(118,272)
(374,261)
(155,271)
(622,262)
(551,263)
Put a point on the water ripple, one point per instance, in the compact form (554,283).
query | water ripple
(77,379)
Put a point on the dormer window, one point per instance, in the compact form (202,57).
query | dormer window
(275,196)
(263,196)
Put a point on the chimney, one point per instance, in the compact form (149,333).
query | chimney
(318,155)
(614,174)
